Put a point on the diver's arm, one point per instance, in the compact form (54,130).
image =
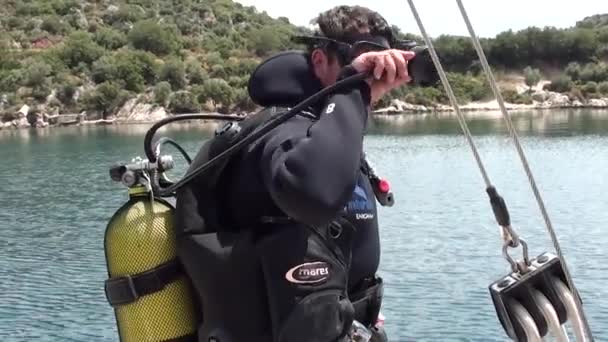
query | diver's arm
(310,168)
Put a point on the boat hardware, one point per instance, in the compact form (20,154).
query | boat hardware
(515,287)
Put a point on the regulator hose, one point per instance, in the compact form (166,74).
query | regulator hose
(148,146)
(255,135)
(421,69)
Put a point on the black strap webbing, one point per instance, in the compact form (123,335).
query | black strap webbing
(185,338)
(127,289)
(368,301)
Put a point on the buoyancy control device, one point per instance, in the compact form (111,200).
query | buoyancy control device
(152,298)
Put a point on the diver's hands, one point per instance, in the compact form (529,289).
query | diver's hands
(388,68)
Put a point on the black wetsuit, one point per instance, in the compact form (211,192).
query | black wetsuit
(305,173)
(308,168)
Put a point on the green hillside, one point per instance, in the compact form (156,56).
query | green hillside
(195,55)
(93,55)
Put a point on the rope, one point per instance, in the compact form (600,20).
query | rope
(451,96)
(522,157)
(507,234)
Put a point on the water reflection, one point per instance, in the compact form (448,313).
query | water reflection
(91,131)
(542,123)
(549,123)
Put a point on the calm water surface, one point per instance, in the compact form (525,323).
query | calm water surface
(441,247)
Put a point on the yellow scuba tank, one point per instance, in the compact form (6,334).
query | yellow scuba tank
(150,294)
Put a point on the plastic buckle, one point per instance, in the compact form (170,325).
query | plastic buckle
(120,290)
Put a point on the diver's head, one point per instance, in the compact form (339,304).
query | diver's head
(343,33)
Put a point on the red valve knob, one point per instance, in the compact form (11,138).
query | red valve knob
(384,186)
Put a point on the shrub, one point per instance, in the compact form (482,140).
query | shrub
(575,93)
(66,93)
(52,24)
(150,36)
(561,84)
(36,74)
(41,90)
(146,63)
(174,73)
(468,88)
(162,91)
(14,23)
(218,91)
(196,73)
(106,98)
(532,77)
(80,48)
(589,88)
(129,67)
(110,39)
(124,15)
(183,102)
(573,70)
(10,80)
(63,7)
(237,82)
(104,69)
(217,71)
(264,41)
(603,88)
(24,8)
(596,72)
(213,58)
(242,100)
(511,96)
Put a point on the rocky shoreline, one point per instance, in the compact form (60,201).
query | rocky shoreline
(134,112)
(541,100)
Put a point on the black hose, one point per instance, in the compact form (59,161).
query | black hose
(169,141)
(257,134)
(149,149)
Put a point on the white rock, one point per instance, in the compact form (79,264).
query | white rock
(132,111)
(540,96)
(558,100)
(599,103)
(577,103)
(387,110)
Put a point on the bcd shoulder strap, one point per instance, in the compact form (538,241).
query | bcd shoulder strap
(197,207)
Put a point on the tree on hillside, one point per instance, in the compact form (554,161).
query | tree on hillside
(110,39)
(532,77)
(150,36)
(218,91)
(264,41)
(80,48)
(183,102)
(174,73)
(106,98)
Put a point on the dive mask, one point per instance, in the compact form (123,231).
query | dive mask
(346,51)
(421,68)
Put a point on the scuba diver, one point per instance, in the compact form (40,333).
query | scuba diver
(281,242)
(272,233)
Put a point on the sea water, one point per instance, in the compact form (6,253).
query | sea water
(440,244)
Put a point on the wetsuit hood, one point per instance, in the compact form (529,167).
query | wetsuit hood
(283,80)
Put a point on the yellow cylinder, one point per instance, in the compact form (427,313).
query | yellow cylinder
(138,238)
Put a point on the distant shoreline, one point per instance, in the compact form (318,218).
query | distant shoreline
(400,107)
(381,113)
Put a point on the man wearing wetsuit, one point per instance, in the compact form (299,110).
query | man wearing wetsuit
(296,257)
